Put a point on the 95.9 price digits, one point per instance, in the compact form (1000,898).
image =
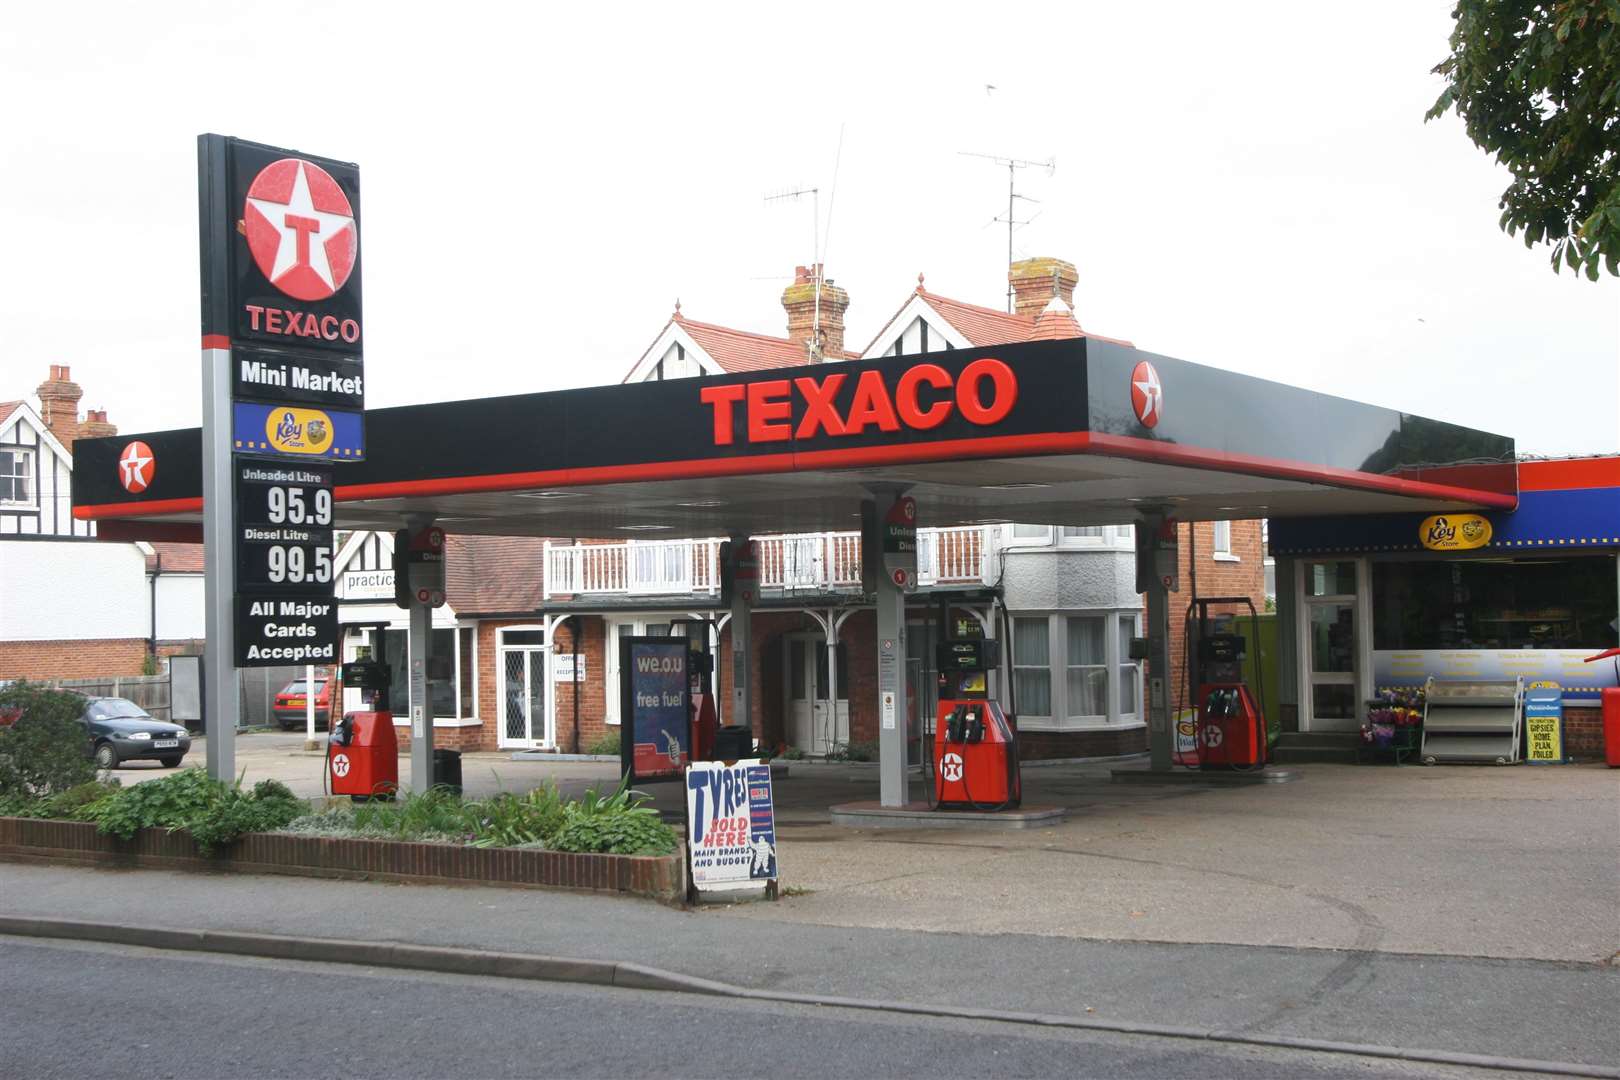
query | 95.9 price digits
(290,564)
(298,506)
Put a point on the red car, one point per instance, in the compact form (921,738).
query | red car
(289,707)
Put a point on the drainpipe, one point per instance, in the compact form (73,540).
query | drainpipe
(574,635)
(151,584)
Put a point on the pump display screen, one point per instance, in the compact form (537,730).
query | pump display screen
(652,674)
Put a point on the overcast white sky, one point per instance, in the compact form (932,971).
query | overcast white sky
(1247,186)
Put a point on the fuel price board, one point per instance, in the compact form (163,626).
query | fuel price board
(285,606)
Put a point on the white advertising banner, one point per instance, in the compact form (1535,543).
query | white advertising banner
(367,585)
(1565,669)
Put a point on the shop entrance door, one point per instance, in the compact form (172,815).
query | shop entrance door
(813,724)
(1330,621)
(521,665)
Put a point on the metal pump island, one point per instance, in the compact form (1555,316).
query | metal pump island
(1472,721)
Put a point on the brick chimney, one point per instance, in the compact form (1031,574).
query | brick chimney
(1036,281)
(799,299)
(59,404)
(95,425)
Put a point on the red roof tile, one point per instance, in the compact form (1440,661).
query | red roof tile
(980,325)
(741,350)
(176,558)
(1055,324)
(7,408)
(738,351)
(488,575)
(988,326)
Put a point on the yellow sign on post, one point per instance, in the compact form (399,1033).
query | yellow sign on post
(1544,727)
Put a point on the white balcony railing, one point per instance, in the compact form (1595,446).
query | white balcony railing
(806,562)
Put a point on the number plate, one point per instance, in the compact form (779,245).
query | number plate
(166,744)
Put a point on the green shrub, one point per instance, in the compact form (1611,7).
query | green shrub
(618,824)
(518,820)
(605,744)
(634,831)
(791,753)
(43,751)
(214,812)
(853,751)
(440,812)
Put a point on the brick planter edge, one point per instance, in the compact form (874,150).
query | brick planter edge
(658,877)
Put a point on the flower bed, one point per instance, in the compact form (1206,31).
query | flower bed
(659,877)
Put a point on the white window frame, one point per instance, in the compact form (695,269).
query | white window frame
(1042,541)
(610,655)
(456,680)
(1218,551)
(501,648)
(1123,662)
(1360,677)
(1038,721)
(1115,661)
(1110,688)
(27,456)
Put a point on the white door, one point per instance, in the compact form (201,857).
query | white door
(813,724)
(522,672)
(1329,631)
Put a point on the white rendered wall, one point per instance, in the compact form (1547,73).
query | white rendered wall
(180,614)
(67,590)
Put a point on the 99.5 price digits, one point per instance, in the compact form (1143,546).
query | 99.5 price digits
(290,564)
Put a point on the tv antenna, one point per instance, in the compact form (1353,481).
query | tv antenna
(815,262)
(818,241)
(1013,165)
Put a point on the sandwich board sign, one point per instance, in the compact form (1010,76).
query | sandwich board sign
(731,826)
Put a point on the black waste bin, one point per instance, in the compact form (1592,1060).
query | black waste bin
(447,770)
(733,743)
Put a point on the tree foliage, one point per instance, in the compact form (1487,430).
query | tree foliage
(43,749)
(1537,84)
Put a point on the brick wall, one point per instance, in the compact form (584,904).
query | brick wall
(1216,577)
(1036,745)
(193,647)
(1583,732)
(87,659)
(592,691)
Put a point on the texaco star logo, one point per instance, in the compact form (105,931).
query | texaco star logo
(300,229)
(136,466)
(1147,394)
(950,767)
(340,765)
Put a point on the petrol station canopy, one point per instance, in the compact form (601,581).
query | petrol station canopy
(1070,432)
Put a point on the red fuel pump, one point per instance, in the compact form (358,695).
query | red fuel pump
(1611,711)
(1229,728)
(362,751)
(975,746)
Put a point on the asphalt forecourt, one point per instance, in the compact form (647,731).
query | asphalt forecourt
(1349,857)
(632,976)
(1559,1010)
(509,1028)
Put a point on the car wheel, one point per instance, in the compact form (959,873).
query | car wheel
(172,761)
(106,756)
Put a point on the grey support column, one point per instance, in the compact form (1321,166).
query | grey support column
(879,579)
(891,644)
(222,693)
(742,644)
(1151,580)
(420,651)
